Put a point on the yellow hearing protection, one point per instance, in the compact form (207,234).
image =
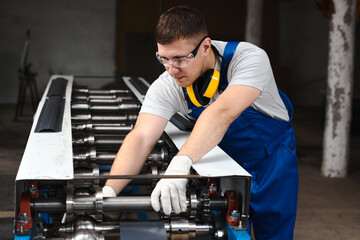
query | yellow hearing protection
(204,88)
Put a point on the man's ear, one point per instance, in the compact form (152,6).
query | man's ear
(207,45)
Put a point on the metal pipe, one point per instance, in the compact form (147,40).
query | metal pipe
(105,107)
(87,204)
(88,103)
(128,204)
(48,205)
(123,204)
(107,157)
(111,101)
(103,127)
(99,92)
(87,97)
(110,141)
(86,116)
(97,140)
(80,174)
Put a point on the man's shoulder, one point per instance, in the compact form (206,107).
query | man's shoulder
(242,48)
(164,79)
(163,83)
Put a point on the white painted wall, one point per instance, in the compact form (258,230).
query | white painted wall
(67,37)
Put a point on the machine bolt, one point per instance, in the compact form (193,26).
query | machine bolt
(212,187)
(235,214)
(24,218)
(32,188)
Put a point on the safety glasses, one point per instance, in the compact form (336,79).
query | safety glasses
(179,62)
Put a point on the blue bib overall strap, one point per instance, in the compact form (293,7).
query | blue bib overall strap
(265,147)
(227,56)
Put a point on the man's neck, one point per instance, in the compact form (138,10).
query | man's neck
(210,60)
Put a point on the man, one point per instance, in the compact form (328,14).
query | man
(246,116)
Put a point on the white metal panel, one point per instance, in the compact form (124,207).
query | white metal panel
(216,163)
(49,155)
(139,96)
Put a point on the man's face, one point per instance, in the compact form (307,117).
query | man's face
(186,75)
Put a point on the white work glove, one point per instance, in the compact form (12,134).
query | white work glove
(171,192)
(108,191)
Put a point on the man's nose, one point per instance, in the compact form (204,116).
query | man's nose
(172,69)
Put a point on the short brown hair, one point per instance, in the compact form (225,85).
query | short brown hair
(180,22)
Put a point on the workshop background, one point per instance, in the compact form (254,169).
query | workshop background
(114,38)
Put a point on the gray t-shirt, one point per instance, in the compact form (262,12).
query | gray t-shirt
(249,66)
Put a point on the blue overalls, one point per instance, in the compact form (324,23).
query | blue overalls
(265,147)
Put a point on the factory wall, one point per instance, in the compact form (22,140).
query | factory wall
(67,37)
(107,38)
(304,52)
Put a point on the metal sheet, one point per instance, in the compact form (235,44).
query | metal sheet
(49,155)
(142,230)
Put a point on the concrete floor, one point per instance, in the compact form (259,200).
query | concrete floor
(327,209)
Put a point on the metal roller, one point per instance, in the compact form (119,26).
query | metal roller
(99,91)
(88,103)
(111,101)
(88,97)
(85,117)
(113,128)
(106,157)
(112,141)
(183,228)
(90,183)
(80,204)
(106,107)
(103,141)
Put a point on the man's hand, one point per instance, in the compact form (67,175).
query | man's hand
(108,191)
(171,192)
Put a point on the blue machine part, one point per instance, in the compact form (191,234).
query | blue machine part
(47,218)
(26,237)
(237,235)
(104,168)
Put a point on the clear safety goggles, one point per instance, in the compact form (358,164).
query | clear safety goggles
(179,62)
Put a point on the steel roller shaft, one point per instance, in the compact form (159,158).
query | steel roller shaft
(99,91)
(107,158)
(88,97)
(105,107)
(103,127)
(83,173)
(84,117)
(113,141)
(88,103)
(96,140)
(113,204)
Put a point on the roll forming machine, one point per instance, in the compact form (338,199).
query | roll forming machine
(73,141)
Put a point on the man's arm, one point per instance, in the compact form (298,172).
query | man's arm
(209,129)
(214,121)
(136,147)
